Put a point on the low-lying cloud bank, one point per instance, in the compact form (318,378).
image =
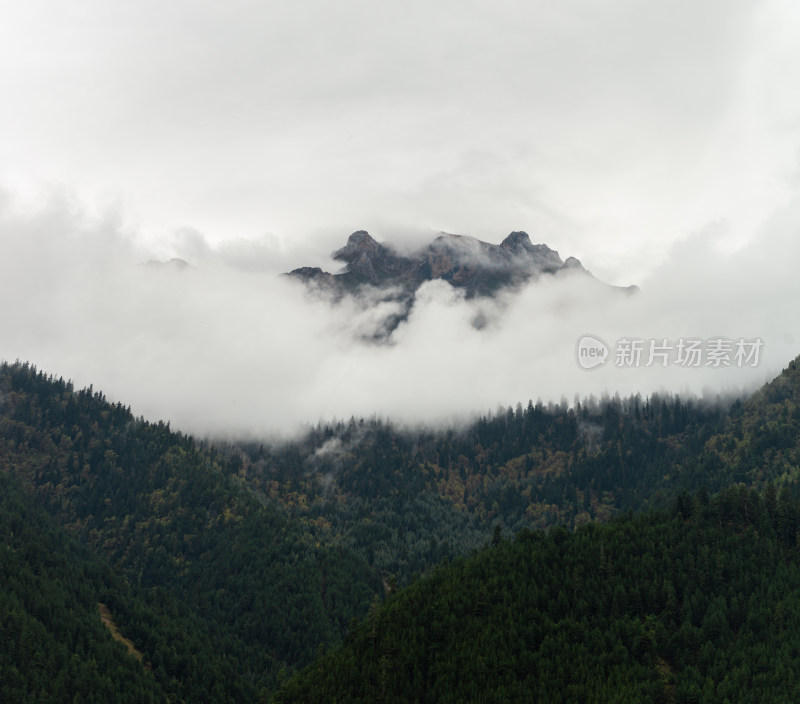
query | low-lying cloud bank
(225,346)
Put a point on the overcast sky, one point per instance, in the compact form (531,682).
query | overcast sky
(657,142)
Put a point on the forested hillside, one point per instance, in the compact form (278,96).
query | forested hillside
(759,441)
(229,567)
(53,647)
(176,523)
(697,605)
(404,499)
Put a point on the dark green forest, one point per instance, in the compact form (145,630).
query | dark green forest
(247,592)
(53,647)
(700,604)
(230,567)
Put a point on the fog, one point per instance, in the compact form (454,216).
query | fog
(657,143)
(228,347)
(606,129)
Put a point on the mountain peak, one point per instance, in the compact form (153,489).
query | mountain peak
(516,240)
(477,267)
(358,243)
(360,237)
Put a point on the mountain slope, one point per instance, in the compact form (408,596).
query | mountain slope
(238,565)
(697,605)
(174,520)
(53,647)
(761,440)
(406,499)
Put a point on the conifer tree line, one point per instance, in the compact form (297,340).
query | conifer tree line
(231,567)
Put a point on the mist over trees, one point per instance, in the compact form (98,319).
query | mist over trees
(231,567)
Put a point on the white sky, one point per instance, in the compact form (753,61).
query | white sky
(607,129)
(647,139)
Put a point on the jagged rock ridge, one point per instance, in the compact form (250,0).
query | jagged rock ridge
(477,267)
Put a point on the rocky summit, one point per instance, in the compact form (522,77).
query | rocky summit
(477,267)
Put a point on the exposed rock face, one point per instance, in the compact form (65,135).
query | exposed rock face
(572,263)
(358,243)
(525,254)
(372,261)
(478,267)
(314,276)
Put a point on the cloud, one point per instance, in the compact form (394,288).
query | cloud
(224,347)
(656,143)
(607,130)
